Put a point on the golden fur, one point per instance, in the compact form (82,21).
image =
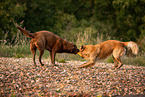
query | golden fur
(104,49)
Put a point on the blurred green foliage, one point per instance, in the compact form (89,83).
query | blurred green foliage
(120,19)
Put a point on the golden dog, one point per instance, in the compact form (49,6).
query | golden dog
(104,49)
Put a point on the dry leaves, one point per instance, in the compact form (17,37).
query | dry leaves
(18,77)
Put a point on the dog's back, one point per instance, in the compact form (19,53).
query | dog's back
(107,48)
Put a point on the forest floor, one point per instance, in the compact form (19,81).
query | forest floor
(19,77)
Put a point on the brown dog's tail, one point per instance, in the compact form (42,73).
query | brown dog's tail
(133,46)
(31,35)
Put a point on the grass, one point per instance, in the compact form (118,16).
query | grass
(21,49)
(138,60)
(17,51)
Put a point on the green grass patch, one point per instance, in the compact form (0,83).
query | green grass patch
(17,51)
(22,51)
(138,60)
(63,57)
(21,48)
(109,60)
(62,61)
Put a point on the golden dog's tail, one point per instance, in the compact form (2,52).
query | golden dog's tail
(27,33)
(133,46)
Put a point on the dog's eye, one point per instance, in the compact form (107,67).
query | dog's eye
(81,50)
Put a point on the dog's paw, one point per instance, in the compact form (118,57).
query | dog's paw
(55,65)
(42,64)
(35,65)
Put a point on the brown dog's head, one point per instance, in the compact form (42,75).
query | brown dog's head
(82,48)
(74,49)
(69,47)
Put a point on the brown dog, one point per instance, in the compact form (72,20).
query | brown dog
(47,40)
(104,49)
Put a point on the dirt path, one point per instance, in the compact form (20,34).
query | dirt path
(18,77)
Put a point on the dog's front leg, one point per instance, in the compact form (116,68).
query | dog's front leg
(87,64)
(52,55)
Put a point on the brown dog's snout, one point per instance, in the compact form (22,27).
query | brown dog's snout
(75,49)
(78,50)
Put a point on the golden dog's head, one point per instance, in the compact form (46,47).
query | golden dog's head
(81,50)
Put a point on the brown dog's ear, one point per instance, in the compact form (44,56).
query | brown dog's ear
(82,48)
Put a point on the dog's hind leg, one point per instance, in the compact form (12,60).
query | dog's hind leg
(117,53)
(39,44)
(40,56)
(120,63)
(115,62)
(33,50)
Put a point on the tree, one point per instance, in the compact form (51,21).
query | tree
(129,14)
(40,15)
(10,11)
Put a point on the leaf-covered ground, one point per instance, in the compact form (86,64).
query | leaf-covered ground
(18,77)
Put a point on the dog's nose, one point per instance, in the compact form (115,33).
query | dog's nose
(78,50)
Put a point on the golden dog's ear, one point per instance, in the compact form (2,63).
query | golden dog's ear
(82,48)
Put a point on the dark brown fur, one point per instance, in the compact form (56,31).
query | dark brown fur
(46,40)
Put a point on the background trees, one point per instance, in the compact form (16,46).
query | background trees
(10,11)
(120,19)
